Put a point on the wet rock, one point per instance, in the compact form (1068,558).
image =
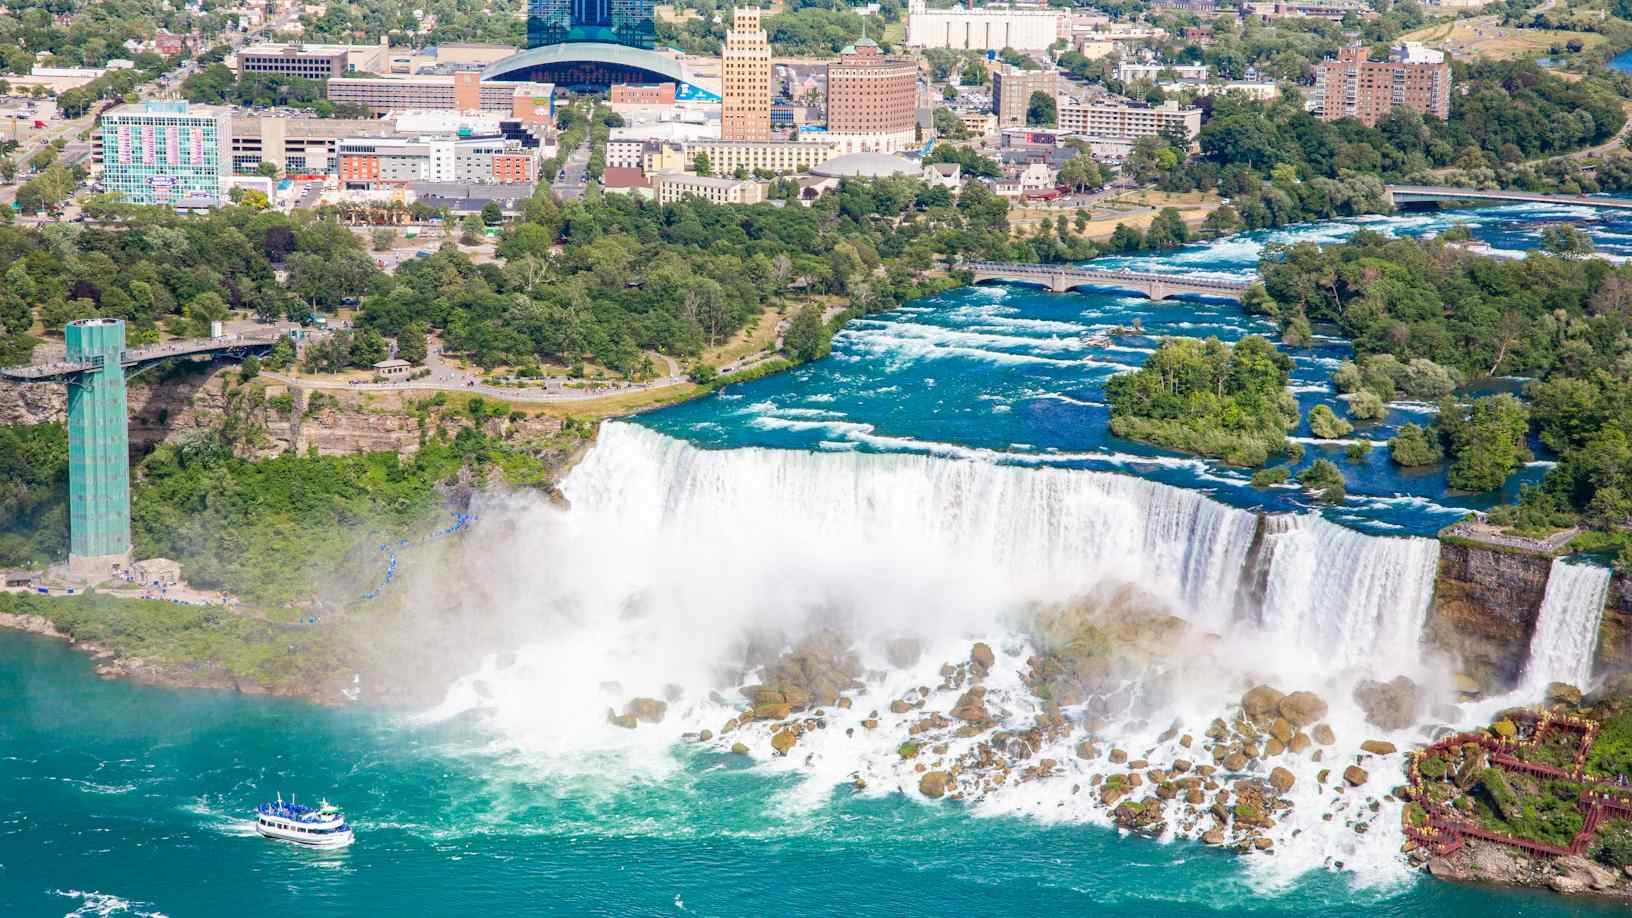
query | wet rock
(1273,747)
(844,703)
(1300,743)
(1087,750)
(705,736)
(1355,775)
(777,711)
(1213,837)
(1260,701)
(1378,747)
(933,784)
(739,748)
(783,741)
(647,710)
(1467,686)
(1392,705)
(870,723)
(626,721)
(1235,761)
(981,655)
(1281,779)
(1505,729)
(1323,734)
(1563,693)
(900,706)
(1118,756)
(1263,844)
(1282,730)
(1302,708)
(971,706)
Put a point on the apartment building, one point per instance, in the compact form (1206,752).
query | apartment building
(369,162)
(1352,86)
(1121,118)
(986,29)
(313,62)
(532,102)
(1012,89)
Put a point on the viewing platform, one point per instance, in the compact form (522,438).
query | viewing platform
(140,357)
(1060,278)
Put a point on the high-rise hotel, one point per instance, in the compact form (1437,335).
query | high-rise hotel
(746,110)
(169,153)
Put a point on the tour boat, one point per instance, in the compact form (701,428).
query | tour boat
(323,826)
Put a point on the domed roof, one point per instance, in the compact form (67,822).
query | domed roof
(866,165)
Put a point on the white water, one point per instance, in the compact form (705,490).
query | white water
(672,555)
(1566,635)
(1347,596)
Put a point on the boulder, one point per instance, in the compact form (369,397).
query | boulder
(1235,761)
(1260,701)
(1392,705)
(1282,780)
(777,711)
(1282,730)
(1300,743)
(626,721)
(1302,708)
(1468,686)
(1086,750)
(1505,729)
(783,741)
(647,710)
(1378,747)
(1563,693)
(705,736)
(1213,837)
(900,706)
(971,706)
(933,784)
(1323,734)
(1355,775)
(981,655)
(1118,756)
(739,748)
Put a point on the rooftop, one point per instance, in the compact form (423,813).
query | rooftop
(867,165)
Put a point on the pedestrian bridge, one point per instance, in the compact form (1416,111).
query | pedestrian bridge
(1403,195)
(1060,278)
(139,358)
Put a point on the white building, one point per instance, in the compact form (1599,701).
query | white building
(1127,72)
(1110,117)
(988,29)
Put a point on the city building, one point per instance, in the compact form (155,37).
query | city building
(617,22)
(778,156)
(169,153)
(988,29)
(1128,71)
(1012,89)
(872,99)
(592,45)
(643,94)
(464,92)
(745,112)
(314,62)
(371,162)
(1120,118)
(670,187)
(1352,86)
(624,180)
(298,146)
(1330,10)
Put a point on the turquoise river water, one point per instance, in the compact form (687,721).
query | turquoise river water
(121,799)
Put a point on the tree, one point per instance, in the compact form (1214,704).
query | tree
(411,344)
(250,368)
(267,169)
(492,214)
(1325,424)
(368,348)
(702,165)
(1166,230)
(1414,446)
(1325,480)
(807,338)
(1488,444)
(384,237)
(470,229)
(1081,173)
(1366,406)
(1566,241)
(1041,110)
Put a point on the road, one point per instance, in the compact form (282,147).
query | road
(573,180)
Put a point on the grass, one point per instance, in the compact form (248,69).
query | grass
(1611,753)
(622,403)
(758,335)
(1462,37)
(202,638)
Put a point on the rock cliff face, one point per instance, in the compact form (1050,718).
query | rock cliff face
(1484,609)
(334,422)
(1615,633)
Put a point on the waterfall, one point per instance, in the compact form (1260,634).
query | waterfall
(1024,532)
(996,534)
(1566,634)
(1344,594)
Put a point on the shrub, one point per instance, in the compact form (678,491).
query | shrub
(1265,478)
(1325,424)
(1366,406)
(1325,480)
(1415,446)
